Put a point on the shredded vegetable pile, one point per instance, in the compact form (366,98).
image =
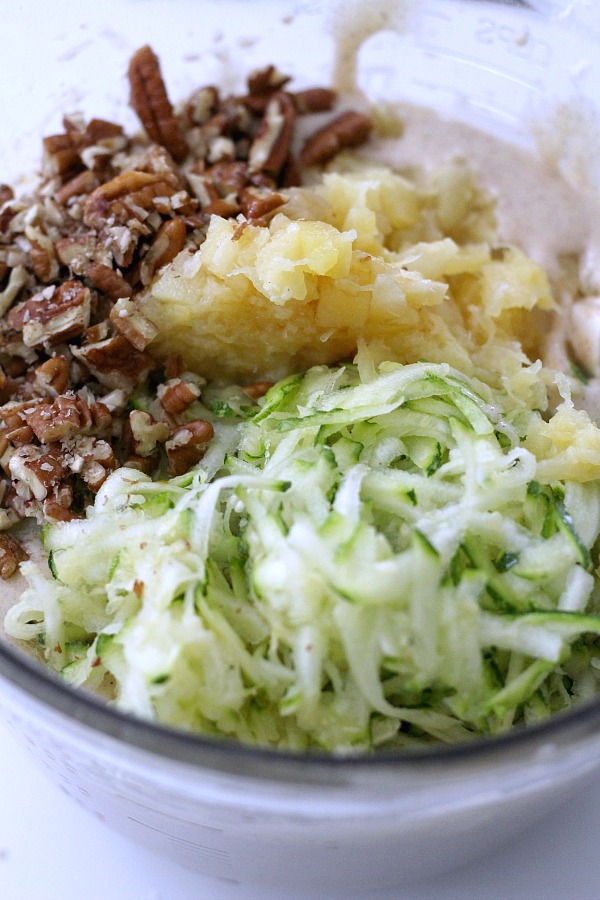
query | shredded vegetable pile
(372,555)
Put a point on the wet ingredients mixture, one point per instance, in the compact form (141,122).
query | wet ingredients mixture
(308,423)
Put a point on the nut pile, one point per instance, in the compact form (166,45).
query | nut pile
(109,212)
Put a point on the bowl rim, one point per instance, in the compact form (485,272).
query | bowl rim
(29,677)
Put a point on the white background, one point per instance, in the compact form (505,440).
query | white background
(50,849)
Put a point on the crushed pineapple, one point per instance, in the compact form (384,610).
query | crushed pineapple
(364,254)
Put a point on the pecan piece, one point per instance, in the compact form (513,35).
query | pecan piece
(109,282)
(11,554)
(312,100)
(151,103)
(255,203)
(56,512)
(187,445)
(176,395)
(16,280)
(168,242)
(92,460)
(146,432)
(266,80)
(84,183)
(202,105)
(115,362)
(55,421)
(271,146)
(6,194)
(58,316)
(37,469)
(52,376)
(132,196)
(61,152)
(258,389)
(42,254)
(76,252)
(98,130)
(347,130)
(127,318)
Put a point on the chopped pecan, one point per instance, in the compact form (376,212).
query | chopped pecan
(84,183)
(52,376)
(168,242)
(202,105)
(187,445)
(256,203)
(111,283)
(101,416)
(316,99)
(271,146)
(257,390)
(61,152)
(58,315)
(42,254)
(6,194)
(128,319)
(176,395)
(224,208)
(92,460)
(55,421)
(56,512)
(115,362)
(146,432)
(19,437)
(37,469)
(347,130)
(97,332)
(131,196)
(146,464)
(77,252)
(150,101)
(16,280)
(11,554)
(266,80)
(98,130)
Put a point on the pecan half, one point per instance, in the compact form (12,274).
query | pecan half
(350,129)
(150,100)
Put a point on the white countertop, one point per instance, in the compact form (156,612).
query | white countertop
(50,849)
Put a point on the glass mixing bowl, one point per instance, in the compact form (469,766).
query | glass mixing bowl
(231,811)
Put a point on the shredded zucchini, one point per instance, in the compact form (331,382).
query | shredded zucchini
(369,557)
